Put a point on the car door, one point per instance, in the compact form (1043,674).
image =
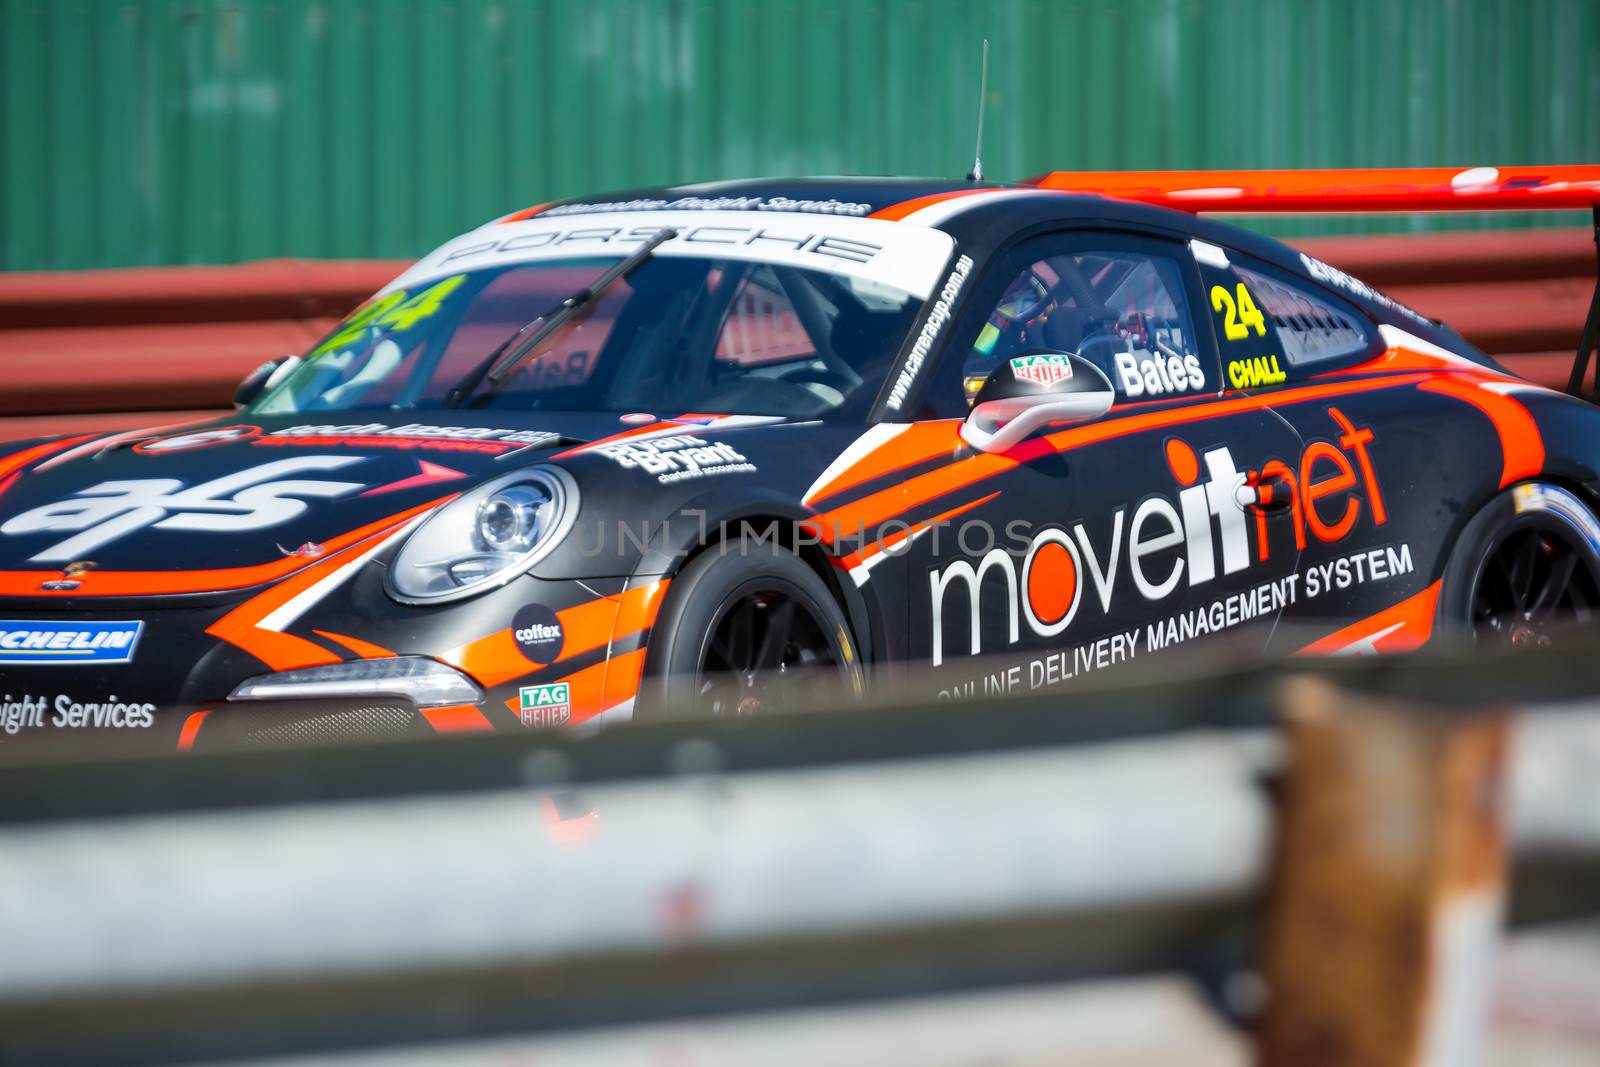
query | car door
(1371,489)
(1096,545)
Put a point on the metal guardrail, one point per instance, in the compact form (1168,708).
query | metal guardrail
(160,909)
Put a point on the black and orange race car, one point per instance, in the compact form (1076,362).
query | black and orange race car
(704,447)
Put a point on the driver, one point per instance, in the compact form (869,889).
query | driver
(1016,325)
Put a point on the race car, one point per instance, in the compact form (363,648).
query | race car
(720,449)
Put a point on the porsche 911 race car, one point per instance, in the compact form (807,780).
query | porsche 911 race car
(722,448)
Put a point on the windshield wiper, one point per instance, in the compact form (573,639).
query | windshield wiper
(498,367)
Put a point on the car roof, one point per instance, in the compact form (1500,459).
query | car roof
(858,196)
(931,201)
(982,216)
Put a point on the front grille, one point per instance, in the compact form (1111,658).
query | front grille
(368,721)
(306,723)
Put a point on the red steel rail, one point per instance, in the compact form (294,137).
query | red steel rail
(118,349)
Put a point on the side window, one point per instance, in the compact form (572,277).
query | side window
(1124,309)
(1311,329)
(1270,328)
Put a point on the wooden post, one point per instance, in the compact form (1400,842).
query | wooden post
(1388,883)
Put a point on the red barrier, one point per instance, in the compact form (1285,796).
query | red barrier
(265,289)
(117,349)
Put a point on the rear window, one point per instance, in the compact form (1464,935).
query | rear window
(1311,328)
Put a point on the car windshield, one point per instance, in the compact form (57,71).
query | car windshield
(795,317)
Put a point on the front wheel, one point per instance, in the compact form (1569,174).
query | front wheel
(747,629)
(1525,569)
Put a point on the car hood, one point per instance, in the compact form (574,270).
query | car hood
(240,501)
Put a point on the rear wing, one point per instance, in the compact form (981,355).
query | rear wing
(1367,190)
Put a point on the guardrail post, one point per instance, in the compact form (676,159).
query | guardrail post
(1388,882)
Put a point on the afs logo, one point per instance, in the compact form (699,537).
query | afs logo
(1166,542)
(57,643)
(545,705)
(247,500)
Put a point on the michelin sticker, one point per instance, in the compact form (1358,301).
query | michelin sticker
(679,458)
(67,643)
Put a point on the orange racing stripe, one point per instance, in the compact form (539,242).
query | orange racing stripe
(282,651)
(457,718)
(156,583)
(1520,442)
(649,427)
(364,649)
(918,443)
(191,729)
(639,608)
(1401,628)
(278,650)
(896,212)
(886,503)
(855,559)
(497,658)
(528,212)
(622,680)
(585,693)
(12,464)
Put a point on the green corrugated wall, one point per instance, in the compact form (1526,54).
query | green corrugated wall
(204,131)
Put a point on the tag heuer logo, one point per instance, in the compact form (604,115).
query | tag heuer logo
(545,705)
(1043,369)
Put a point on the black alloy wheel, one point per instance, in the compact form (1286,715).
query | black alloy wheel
(1535,582)
(766,650)
(748,629)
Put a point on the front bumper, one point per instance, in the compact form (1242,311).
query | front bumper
(172,689)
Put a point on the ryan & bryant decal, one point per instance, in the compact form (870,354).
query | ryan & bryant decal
(678,458)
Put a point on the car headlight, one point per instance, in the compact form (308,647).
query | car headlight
(485,537)
(424,682)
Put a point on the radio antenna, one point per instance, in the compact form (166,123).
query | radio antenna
(976,174)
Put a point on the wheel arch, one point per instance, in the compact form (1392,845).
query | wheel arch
(1570,478)
(708,523)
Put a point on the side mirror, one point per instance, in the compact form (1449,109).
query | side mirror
(1029,391)
(263,378)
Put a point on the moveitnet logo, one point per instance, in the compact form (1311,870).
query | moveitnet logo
(57,642)
(1165,542)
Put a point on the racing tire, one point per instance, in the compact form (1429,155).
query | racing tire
(747,628)
(1524,569)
